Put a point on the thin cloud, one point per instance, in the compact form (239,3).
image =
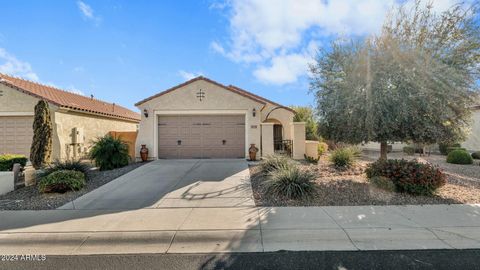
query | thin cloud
(10,65)
(189,75)
(88,12)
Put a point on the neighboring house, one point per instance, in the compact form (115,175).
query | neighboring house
(202,118)
(77,120)
(473,140)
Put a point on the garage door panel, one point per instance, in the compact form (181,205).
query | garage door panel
(202,136)
(16,134)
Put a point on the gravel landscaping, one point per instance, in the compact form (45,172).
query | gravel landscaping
(350,187)
(29,198)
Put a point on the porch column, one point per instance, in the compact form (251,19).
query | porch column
(267,139)
(298,137)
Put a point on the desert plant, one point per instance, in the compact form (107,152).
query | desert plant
(476,155)
(109,153)
(70,165)
(383,183)
(7,161)
(311,159)
(450,149)
(322,148)
(408,176)
(62,181)
(443,147)
(409,150)
(290,182)
(343,157)
(41,149)
(459,156)
(274,162)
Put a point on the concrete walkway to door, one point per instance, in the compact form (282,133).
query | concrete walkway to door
(174,184)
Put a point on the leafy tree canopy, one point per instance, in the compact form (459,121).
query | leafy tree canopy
(415,81)
(306,114)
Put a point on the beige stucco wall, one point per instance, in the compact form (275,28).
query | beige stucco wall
(14,101)
(298,136)
(184,101)
(93,127)
(267,139)
(285,117)
(473,140)
(311,149)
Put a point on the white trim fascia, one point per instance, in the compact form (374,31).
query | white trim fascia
(17,113)
(197,112)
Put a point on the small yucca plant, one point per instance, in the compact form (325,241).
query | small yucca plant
(290,182)
(109,153)
(274,162)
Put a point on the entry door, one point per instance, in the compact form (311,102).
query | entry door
(201,136)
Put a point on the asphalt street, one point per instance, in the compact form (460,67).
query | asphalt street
(341,260)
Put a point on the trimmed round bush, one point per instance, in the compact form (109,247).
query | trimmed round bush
(476,155)
(443,147)
(411,177)
(62,181)
(343,157)
(450,149)
(409,150)
(322,148)
(290,182)
(109,153)
(7,161)
(274,162)
(459,157)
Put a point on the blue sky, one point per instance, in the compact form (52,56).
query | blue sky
(124,51)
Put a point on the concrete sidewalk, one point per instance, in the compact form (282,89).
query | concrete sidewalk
(239,229)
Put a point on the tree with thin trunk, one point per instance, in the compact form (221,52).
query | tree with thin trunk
(41,149)
(413,82)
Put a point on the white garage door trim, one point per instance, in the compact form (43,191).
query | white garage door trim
(158,113)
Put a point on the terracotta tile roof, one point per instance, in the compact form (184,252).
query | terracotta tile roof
(69,100)
(231,88)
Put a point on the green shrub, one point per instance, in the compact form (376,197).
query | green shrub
(476,155)
(443,147)
(409,150)
(450,149)
(383,183)
(74,165)
(274,162)
(343,157)
(62,181)
(7,161)
(322,148)
(311,159)
(459,157)
(109,153)
(290,182)
(408,176)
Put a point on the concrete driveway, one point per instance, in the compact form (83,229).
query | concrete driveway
(174,184)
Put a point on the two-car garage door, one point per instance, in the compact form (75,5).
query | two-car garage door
(16,134)
(201,136)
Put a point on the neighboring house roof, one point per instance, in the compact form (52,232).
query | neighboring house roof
(231,88)
(69,100)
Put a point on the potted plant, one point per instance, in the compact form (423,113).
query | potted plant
(252,152)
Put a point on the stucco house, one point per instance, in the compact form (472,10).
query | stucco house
(202,118)
(77,120)
(473,140)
